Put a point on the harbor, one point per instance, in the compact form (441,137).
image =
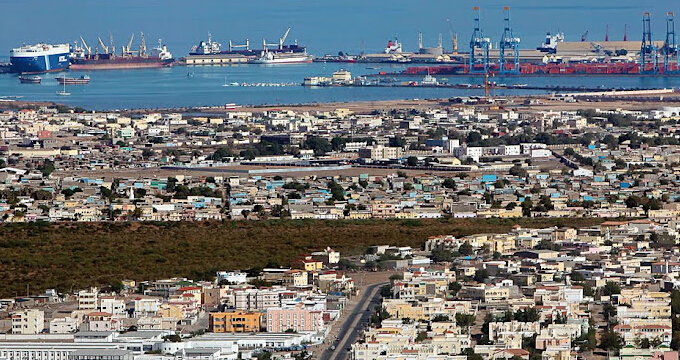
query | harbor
(281,69)
(171,87)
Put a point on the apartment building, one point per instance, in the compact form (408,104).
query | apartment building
(30,321)
(296,319)
(235,321)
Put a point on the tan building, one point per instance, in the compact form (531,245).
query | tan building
(30,321)
(236,321)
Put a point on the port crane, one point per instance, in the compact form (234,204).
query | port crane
(126,49)
(113,47)
(233,46)
(670,47)
(454,38)
(478,41)
(89,49)
(281,41)
(508,43)
(648,51)
(104,47)
(142,45)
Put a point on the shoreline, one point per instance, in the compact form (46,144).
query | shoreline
(529,102)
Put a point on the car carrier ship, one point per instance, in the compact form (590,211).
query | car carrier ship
(39,58)
(83,58)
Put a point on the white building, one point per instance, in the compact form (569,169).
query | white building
(30,321)
(232,277)
(63,325)
(146,306)
(465,152)
(87,299)
(112,305)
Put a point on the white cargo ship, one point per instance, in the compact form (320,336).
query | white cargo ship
(269,57)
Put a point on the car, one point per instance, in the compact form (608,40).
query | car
(332,347)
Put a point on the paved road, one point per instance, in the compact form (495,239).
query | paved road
(351,329)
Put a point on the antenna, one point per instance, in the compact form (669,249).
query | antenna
(606,36)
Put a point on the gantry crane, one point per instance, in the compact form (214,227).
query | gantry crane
(478,41)
(648,51)
(670,47)
(511,43)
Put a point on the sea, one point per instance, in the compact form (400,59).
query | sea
(197,86)
(324,26)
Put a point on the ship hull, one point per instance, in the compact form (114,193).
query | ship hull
(107,64)
(39,64)
(283,60)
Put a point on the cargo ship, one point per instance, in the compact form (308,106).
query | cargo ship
(268,57)
(83,80)
(39,58)
(211,47)
(82,58)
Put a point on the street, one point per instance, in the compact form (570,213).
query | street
(349,328)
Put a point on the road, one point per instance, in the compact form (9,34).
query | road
(351,327)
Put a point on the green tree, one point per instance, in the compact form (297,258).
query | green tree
(303,355)
(397,141)
(320,145)
(222,153)
(455,287)
(440,318)
(610,340)
(412,161)
(481,275)
(337,192)
(576,276)
(465,320)
(609,312)
(441,256)
(148,153)
(518,170)
(611,288)
(470,353)
(47,168)
(449,183)
(465,249)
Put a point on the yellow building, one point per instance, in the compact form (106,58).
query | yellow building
(237,321)
(170,311)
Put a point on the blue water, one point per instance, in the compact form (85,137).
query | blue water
(324,26)
(171,87)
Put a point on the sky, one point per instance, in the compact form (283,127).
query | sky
(324,26)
